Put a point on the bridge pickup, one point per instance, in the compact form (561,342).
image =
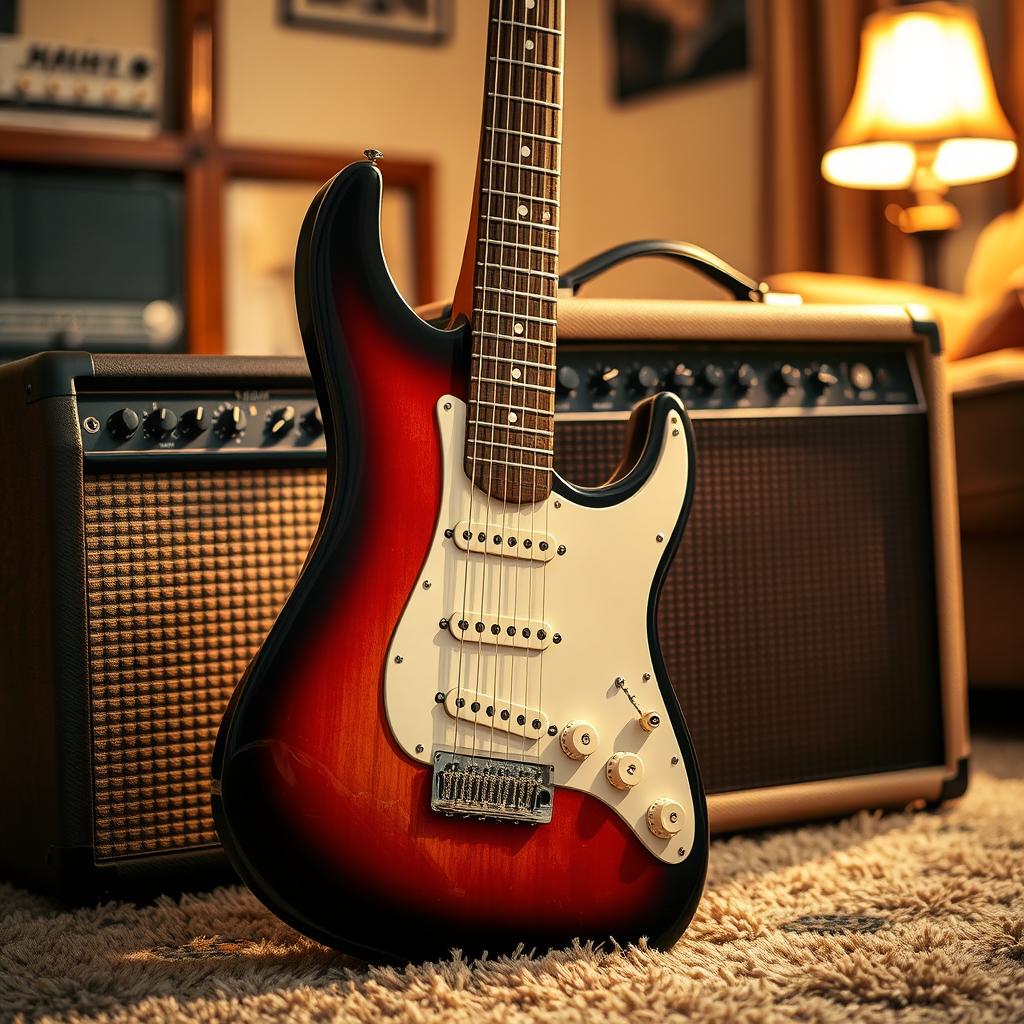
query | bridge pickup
(500,715)
(524,544)
(504,631)
(472,786)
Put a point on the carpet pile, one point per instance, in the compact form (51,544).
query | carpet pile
(908,917)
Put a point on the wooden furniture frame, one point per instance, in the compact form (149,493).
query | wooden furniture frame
(194,150)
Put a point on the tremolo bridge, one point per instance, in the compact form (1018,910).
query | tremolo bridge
(473,786)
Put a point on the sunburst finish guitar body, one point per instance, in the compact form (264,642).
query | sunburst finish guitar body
(460,732)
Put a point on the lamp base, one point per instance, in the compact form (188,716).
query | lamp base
(931,252)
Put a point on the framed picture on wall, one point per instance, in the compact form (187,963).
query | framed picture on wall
(663,44)
(420,21)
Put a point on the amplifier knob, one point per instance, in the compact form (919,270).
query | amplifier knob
(745,377)
(665,818)
(193,423)
(123,423)
(624,770)
(281,421)
(786,376)
(567,380)
(602,378)
(861,376)
(231,422)
(679,377)
(643,380)
(160,423)
(711,376)
(312,423)
(578,739)
(823,378)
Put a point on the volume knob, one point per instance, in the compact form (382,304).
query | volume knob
(624,769)
(281,421)
(787,376)
(567,380)
(578,739)
(231,422)
(193,423)
(160,423)
(665,818)
(643,380)
(312,423)
(123,423)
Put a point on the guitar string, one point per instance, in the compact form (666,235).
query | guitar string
(474,407)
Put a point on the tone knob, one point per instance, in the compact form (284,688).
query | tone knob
(193,422)
(823,378)
(578,739)
(745,377)
(312,424)
(679,377)
(281,421)
(123,423)
(665,818)
(602,378)
(711,376)
(567,380)
(786,376)
(861,376)
(160,423)
(643,380)
(231,422)
(624,769)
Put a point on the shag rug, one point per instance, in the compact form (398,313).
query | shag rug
(909,917)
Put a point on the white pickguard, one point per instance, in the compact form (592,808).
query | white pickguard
(595,596)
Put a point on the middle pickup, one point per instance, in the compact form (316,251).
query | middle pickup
(530,545)
(504,631)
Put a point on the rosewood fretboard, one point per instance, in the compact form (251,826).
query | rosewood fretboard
(510,429)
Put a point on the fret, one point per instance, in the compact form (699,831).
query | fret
(529,296)
(511,408)
(509,462)
(493,335)
(517,270)
(525,99)
(522,167)
(527,24)
(512,220)
(506,444)
(517,362)
(546,431)
(521,316)
(528,135)
(516,384)
(503,244)
(526,64)
(519,195)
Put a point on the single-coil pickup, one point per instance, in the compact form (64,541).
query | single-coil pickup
(504,631)
(491,713)
(525,544)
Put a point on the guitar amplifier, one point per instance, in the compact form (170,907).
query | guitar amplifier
(154,513)
(811,621)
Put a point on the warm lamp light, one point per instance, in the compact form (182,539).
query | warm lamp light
(924,114)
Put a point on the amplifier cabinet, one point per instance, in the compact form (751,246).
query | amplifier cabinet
(811,620)
(154,514)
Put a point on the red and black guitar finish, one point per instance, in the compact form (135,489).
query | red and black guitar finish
(451,737)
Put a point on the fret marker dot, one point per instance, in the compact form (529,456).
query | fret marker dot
(529,44)
(518,328)
(525,151)
(529,5)
(516,373)
(512,417)
(522,211)
(545,215)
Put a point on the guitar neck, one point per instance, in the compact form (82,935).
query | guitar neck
(510,429)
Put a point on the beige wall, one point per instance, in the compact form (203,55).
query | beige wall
(681,165)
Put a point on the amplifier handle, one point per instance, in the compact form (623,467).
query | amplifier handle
(738,285)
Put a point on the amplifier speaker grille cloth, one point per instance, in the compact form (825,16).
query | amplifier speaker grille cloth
(186,573)
(787,664)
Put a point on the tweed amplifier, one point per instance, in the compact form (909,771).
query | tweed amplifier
(154,513)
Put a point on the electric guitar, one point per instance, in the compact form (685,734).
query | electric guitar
(460,732)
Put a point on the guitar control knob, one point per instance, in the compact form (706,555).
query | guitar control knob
(602,378)
(123,423)
(665,818)
(567,380)
(649,721)
(643,380)
(312,424)
(861,376)
(745,377)
(160,424)
(679,377)
(194,422)
(578,739)
(823,378)
(786,376)
(231,422)
(711,377)
(281,421)
(624,770)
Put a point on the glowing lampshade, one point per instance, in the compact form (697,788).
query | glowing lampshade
(924,106)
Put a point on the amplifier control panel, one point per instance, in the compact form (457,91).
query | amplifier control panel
(261,424)
(783,378)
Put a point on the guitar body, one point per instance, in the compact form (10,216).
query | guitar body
(323,769)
